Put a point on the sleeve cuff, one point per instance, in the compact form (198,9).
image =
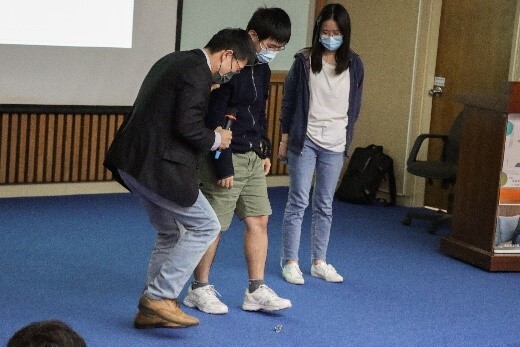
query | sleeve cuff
(216,144)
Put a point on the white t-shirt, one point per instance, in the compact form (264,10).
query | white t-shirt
(328,106)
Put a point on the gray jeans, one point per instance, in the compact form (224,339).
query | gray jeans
(183,236)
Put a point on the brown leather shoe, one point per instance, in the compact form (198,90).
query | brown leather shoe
(167,309)
(146,321)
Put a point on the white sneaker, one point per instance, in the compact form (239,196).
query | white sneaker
(292,274)
(327,272)
(265,299)
(205,299)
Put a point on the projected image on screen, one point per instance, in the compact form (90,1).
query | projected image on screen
(78,23)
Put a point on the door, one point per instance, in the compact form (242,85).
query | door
(473,56)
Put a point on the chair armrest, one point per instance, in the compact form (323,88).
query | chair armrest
(418,143)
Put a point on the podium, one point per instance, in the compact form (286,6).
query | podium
(477,190)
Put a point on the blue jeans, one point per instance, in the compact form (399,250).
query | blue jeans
(183,236)
(326,166)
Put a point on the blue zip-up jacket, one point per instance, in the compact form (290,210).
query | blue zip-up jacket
(247,92)
(295,102)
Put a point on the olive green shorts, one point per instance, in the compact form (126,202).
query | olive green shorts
(248,196)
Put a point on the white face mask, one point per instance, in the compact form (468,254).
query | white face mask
(266,55)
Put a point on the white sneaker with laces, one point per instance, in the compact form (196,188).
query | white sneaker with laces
(205,299)
(327,272)
(264,299)
(292,274)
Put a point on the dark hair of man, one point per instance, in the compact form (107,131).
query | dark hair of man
(234,39)
(339,14)
(48,333)
(271,23)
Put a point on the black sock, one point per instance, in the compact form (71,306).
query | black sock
(197,284)
(254,284)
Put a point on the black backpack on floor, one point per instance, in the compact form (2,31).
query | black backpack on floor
(365,172)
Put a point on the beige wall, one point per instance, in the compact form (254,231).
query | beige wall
(231,13)
(397,41)
(386,35)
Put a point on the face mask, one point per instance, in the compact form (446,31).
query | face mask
(266,55)
(217,78)
(331,43)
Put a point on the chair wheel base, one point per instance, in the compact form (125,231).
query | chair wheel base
(436,217)
(432,229)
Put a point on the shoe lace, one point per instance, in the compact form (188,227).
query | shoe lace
(329,269)
(326,268)
(270,294)
(294,270)
(211,292)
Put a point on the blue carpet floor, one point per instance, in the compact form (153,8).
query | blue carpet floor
(82,259)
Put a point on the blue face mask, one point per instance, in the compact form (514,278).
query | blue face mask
(331,43)
(266,55)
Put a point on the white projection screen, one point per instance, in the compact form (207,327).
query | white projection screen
(81,52)
(86,23)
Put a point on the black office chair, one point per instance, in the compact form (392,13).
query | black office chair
(444,169)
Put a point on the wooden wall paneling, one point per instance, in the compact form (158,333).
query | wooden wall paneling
(21,159)
(282,168)
(49,148)
(59,144)
(11,148)
(113,125)
(120,119)
(76,149)
(40,151)
(101,173)
(93,145)
(67,149)
(274,110)
(84,146)
(271,115)
(4,140)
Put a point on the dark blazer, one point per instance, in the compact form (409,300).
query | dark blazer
(160,139)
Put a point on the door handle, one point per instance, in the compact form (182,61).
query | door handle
(436,91)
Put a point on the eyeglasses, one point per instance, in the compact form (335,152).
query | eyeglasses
(272,47)
(238,64)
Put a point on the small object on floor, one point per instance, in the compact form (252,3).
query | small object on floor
(278,328)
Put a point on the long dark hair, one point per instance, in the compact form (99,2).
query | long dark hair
(339,14)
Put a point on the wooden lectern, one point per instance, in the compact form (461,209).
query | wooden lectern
(477,190)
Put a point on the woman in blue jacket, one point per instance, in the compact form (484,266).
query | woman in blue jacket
(321,104)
